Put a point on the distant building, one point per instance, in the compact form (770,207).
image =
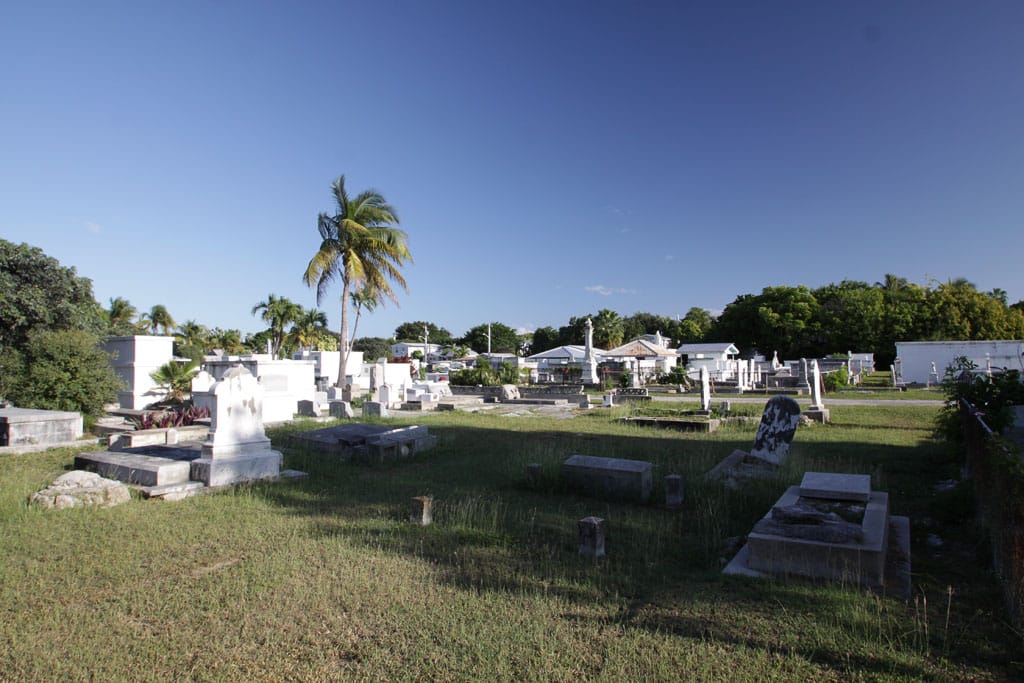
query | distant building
(914,359)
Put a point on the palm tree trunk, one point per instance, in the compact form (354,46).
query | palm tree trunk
(343,335)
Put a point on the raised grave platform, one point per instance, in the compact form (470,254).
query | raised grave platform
(830,527)
(144,466)
(367,442)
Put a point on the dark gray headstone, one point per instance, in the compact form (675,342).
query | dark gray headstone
(778,425)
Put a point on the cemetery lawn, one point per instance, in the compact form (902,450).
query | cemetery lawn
(324,579)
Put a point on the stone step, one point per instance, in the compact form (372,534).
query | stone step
(135,468)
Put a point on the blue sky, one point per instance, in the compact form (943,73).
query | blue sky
(546,159)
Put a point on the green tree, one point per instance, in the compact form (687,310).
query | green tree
(959,311)
(121,317)
(372,348)
(37,293)
(60,370)
(229,341)
(157,320)
(851,317)
(608,329)
(359,246)
(573,334)
(309,327)
(192,340)
(695,326)
(544,339)
(641,323)
(503,338)
(782,319)
(256,342)
(413,331)
(175,378)
(278,313)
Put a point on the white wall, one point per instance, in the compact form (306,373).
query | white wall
(135,357)
(916,358)
(284,382)
(325,363)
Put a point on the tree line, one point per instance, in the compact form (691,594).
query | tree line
(796,321)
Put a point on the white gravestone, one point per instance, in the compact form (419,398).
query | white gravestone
(705,389)
(815,381)
(237,448)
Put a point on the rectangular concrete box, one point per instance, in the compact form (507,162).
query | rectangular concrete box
(609,477)
(835,486)
(24,426)
(859,562)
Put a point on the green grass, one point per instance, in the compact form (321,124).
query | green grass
(323,579)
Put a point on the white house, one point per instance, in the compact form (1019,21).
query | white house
(720,358)
(133,358)
(406,349)
(553,365)
(914,359)
(643,357)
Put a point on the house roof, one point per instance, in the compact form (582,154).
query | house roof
(570,352)
(712,348)
(639,348)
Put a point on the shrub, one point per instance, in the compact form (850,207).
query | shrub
(175,417)
(837,379)
(993,396)
(60,370)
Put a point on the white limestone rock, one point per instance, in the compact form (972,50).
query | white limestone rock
(79,488)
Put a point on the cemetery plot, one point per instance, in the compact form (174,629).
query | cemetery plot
(831,527)
(367,442)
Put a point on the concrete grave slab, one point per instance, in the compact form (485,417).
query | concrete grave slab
(835,486)
(609,477)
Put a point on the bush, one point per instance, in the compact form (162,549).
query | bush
(60,370)
(837,379)
(993,396)
(175,417)
(484,375)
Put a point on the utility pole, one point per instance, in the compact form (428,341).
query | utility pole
(488,339)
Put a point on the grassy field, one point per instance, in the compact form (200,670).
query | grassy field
(323,579)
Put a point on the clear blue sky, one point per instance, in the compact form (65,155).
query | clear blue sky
(546,159)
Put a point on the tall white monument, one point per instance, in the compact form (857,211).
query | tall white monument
(589,360)
(817,410)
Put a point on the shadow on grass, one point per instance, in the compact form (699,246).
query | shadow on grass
(494,531)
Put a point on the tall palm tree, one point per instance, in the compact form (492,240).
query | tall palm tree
(277,312)
(157,319)
(360,247)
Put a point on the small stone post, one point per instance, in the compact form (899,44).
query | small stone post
(593,535)
(673,491)
(421,510)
